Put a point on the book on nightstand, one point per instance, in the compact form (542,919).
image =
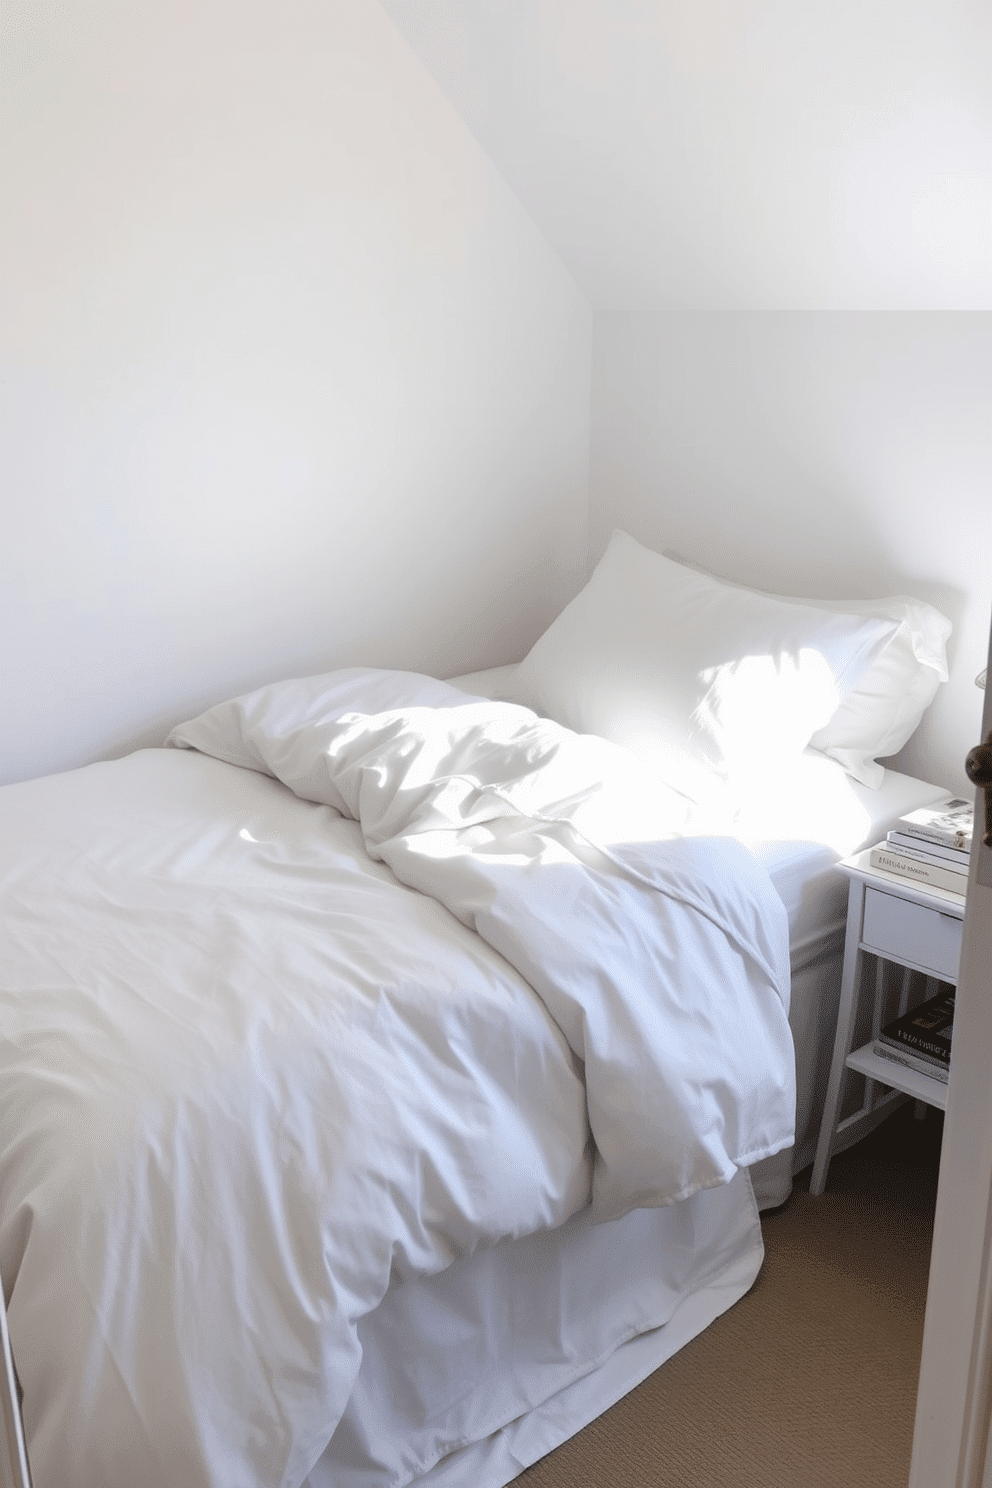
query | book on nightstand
(921,1038)
(948,824)
(920,867)
(935,851)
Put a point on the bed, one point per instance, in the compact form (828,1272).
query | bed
(386,1061)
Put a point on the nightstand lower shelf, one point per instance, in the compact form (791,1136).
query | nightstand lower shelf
(897,1077)
(891,922)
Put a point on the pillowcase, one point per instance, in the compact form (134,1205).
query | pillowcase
(884,708)
(708,683)
(886,705)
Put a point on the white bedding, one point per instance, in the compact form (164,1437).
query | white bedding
(798,829)
(248,1077)
(814,815)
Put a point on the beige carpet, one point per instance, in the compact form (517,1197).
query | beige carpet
(810,1380)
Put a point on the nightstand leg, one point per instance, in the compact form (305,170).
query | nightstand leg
(846,1014)
(17,1473)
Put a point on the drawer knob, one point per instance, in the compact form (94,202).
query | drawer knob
(978,768)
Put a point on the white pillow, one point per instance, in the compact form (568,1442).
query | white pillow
(885,707)
(708,683)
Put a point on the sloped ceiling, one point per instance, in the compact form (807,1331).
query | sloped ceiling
(761,154)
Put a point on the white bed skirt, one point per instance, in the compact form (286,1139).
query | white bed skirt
(470,1376)
(816,974)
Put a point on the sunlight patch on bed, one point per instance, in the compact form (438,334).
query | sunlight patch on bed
(812,799)
(766,706)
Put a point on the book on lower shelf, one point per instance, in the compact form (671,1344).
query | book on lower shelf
(919,869)
(909,1060)
(921,1039)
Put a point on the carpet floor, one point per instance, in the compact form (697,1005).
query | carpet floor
(810,1380)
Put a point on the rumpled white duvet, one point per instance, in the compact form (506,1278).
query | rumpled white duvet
(247,1076)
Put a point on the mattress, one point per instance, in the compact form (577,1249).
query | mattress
(816,815)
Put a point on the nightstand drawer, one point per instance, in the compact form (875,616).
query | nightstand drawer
(909,932)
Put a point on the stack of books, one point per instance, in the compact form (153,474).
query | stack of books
(930,846)
(921,1040)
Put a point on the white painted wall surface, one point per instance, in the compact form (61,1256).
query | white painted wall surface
(288,378)
(828,455)
(828,154)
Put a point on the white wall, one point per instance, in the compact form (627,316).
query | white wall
(828,154)
(817,454)
(288,379)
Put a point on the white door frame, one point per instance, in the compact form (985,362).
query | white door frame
(951,1440)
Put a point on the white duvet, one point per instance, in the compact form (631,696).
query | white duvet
(248,1075)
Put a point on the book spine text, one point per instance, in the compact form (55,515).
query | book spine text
(960,840)
(908,1061)
(918,871)
(902,842)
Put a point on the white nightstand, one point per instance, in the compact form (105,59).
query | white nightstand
(890,919)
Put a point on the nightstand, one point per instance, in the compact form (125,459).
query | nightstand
(891,920)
